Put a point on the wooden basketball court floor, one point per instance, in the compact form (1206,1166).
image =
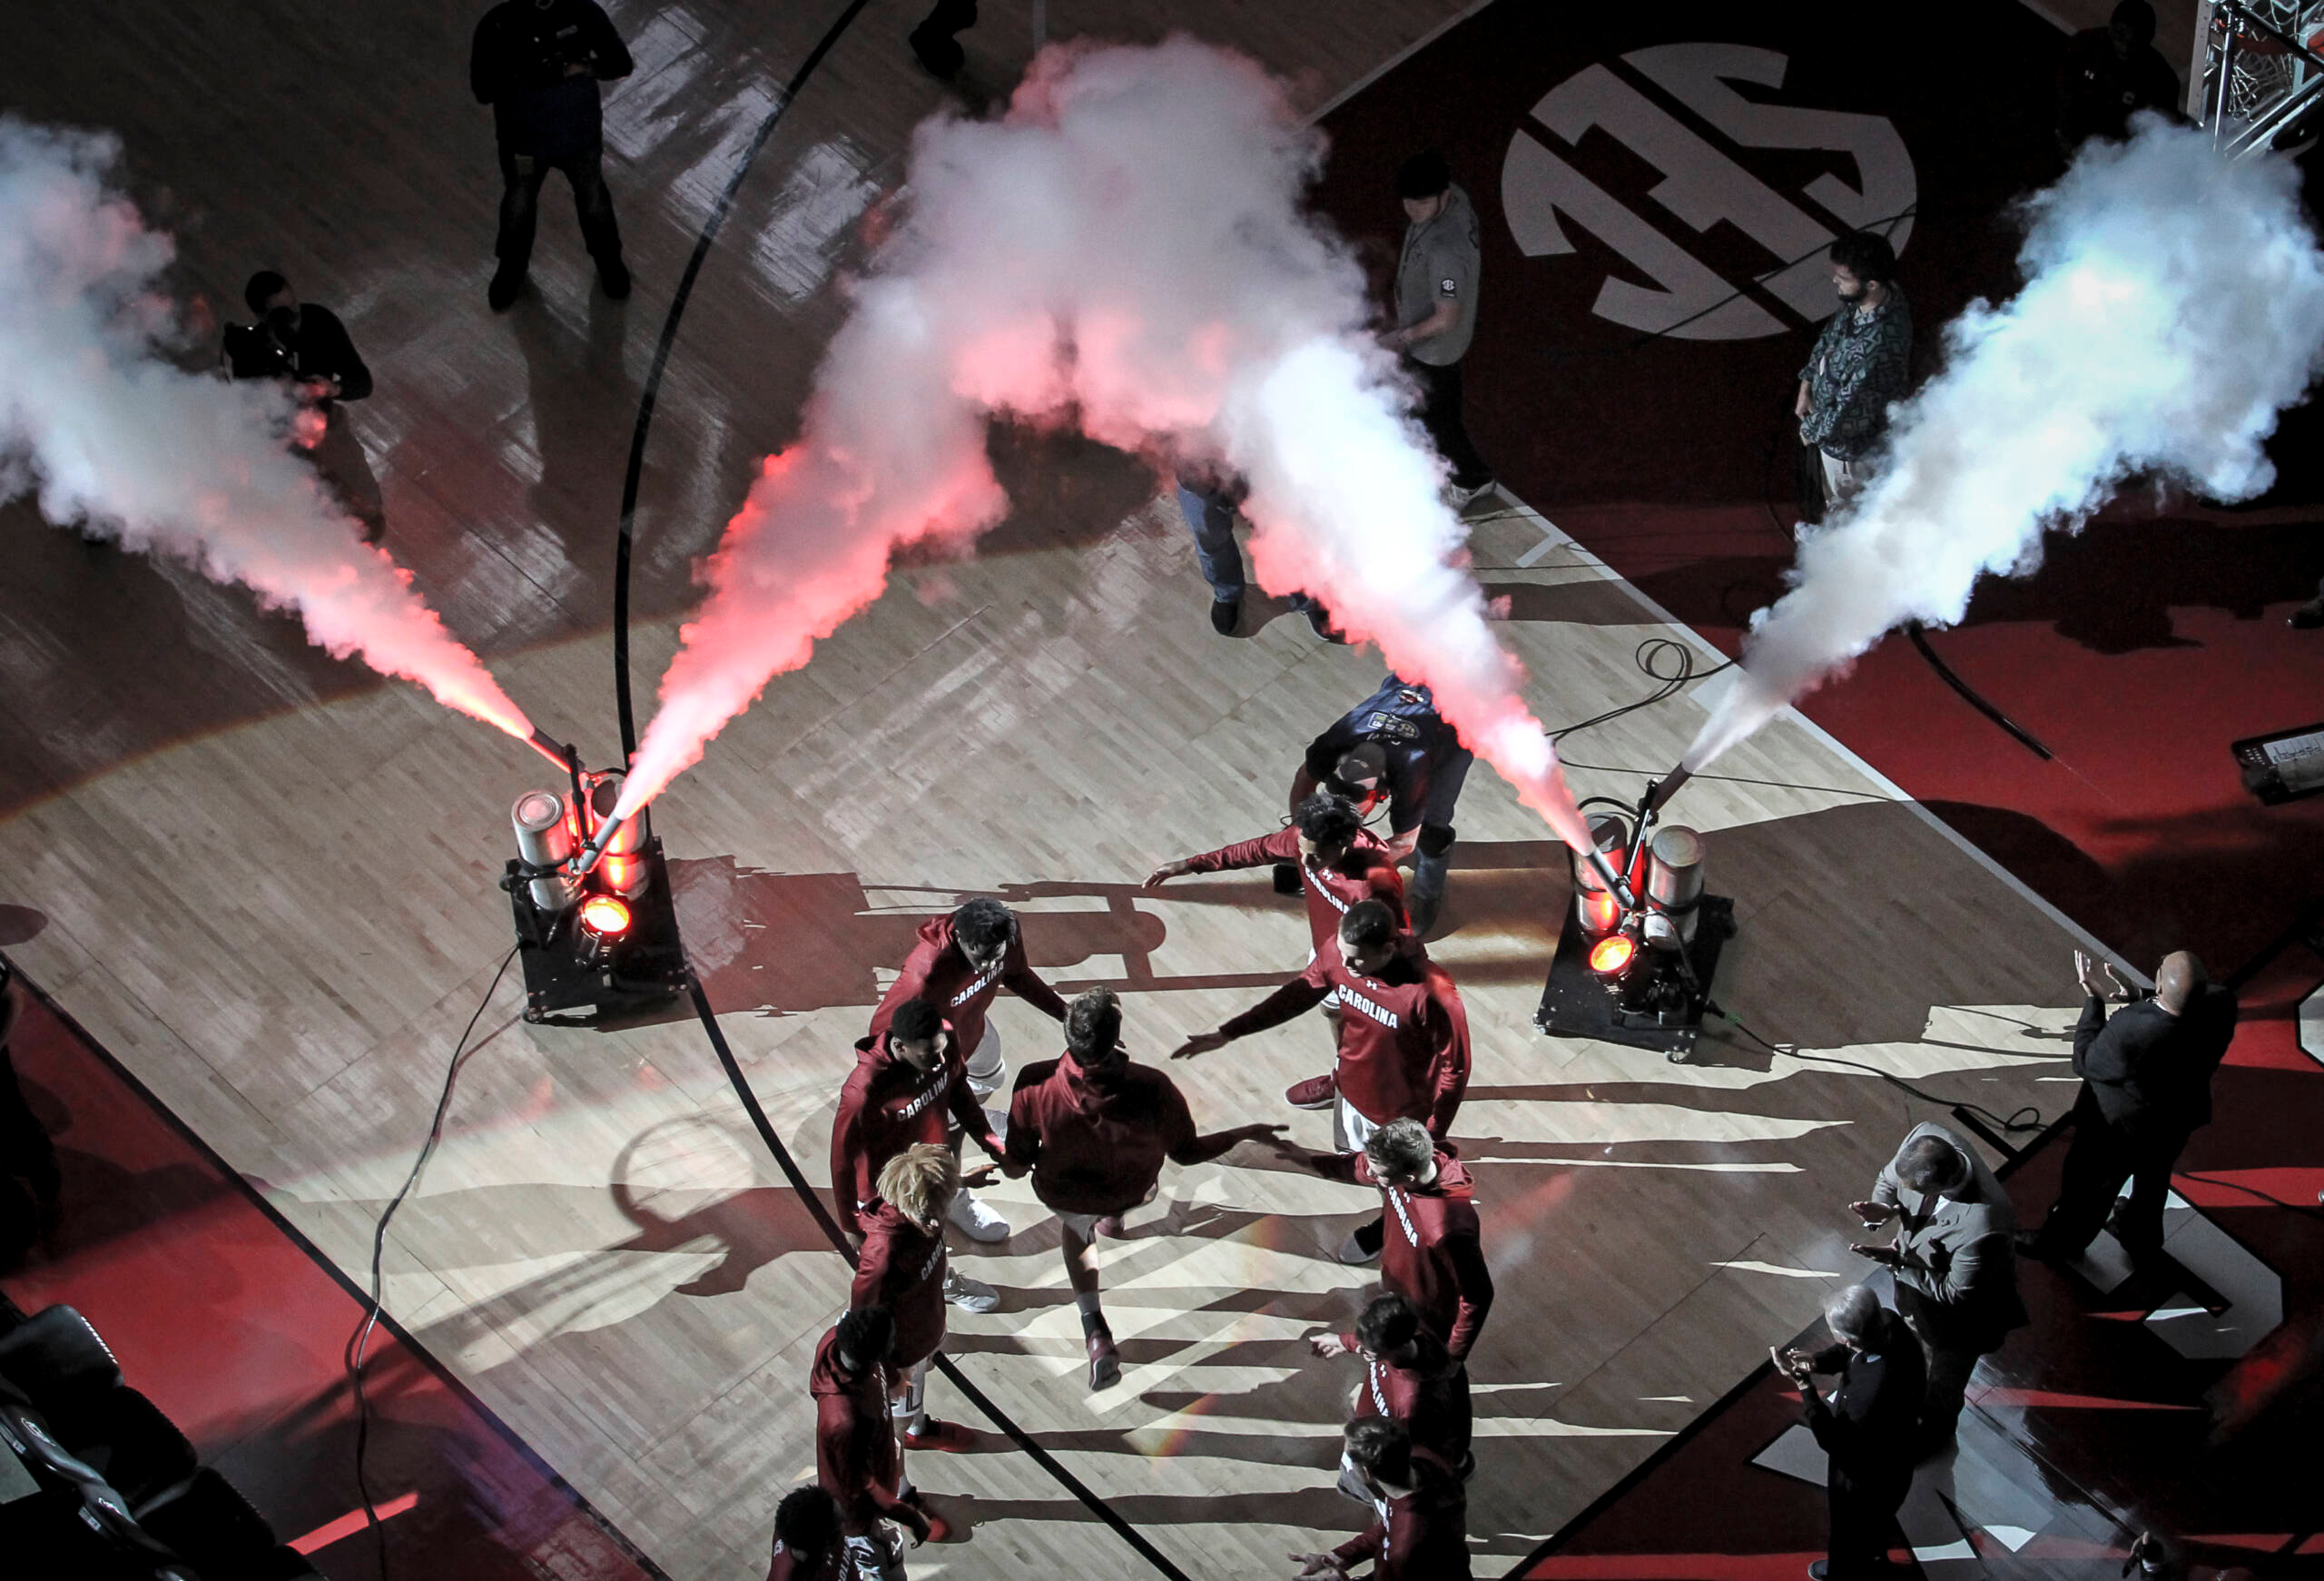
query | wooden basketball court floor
(269,882)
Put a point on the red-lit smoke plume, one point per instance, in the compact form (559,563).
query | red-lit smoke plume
(1124,252)
(116,439)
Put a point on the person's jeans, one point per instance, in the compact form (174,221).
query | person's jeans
(1442,399)
(1221,558)
(522,175)
(1212,522)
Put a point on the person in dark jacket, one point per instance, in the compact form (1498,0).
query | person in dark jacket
(2146,1087)
(808,1543)
(1396,747)
(1420,1527)
(305,348)
(537,62)
(2109,74)
(1867,1426)
(1094,1130)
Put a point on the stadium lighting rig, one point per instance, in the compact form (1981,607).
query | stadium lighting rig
(1641,939)
(596,926)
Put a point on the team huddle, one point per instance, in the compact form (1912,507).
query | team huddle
(1093,1129)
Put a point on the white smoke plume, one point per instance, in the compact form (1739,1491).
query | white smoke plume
(1124,252)
(2173,305)
(116,439)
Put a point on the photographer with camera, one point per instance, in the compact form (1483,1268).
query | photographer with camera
(308,349)
(537,62)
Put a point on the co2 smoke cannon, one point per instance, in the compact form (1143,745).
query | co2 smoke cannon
(596,926)
(1642,938)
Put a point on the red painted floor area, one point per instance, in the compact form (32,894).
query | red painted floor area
(234,1326)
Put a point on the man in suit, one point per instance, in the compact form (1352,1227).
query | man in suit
(1866,1427)
(2146,1086)
(1954,1261)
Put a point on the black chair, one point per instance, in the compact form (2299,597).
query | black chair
(209,1524)
(59,1362)
(125,1436)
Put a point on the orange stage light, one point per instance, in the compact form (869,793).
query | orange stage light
(605,915)
(1611,954)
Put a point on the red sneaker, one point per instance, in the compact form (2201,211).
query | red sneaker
(950,1436)
(1105,1361)
(1316,1092)
(939,1531)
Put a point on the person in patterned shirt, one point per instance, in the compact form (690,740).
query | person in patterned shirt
(1861,365)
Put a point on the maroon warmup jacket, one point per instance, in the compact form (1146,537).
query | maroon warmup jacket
(1422,1536)
(1363,873)
(1430,1398)
(901,1268)
(1403,1034)
(938,972)
(855,1444)
(1096,1140)
(886,1106)
(1430,1252)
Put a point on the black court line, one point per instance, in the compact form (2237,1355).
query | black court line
(710,229)
(358,1294)
(628,722)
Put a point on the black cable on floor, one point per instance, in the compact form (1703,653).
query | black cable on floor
(959,1380)
(1683,670)
(1969,695)
(630,479)
(2016,1121)
(360,1343)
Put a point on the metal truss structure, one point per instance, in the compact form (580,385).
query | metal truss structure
(2263,72)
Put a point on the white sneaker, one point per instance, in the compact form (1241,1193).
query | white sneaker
(976,1221)
(970,1295)
(1352,1251)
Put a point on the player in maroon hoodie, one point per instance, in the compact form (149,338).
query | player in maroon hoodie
(1419,1530)
(1408,1378)
(910,1085)
(1433,1255)
(901,1266)
(1403,1032)
(808,1543)
(855,1442)
(958,964)
(1094,1130)
(1340,862)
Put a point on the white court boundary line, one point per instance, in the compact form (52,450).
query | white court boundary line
(1554,536)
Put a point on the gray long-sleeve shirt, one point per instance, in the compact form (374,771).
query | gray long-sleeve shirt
(1440,264)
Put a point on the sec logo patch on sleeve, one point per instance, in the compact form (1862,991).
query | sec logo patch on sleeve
(1447,287)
